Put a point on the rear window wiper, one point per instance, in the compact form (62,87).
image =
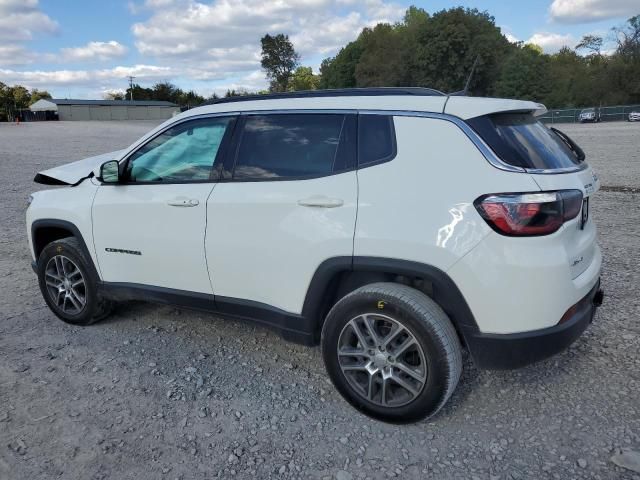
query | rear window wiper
(571,144)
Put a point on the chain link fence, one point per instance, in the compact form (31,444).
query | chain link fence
(606,114)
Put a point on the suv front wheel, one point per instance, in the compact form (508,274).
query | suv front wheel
(69,285)
(392,352)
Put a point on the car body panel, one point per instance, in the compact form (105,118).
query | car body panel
(69,204)
(140,238)
(71,173)
(263,246)
(408,211)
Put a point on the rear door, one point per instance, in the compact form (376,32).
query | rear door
(286,202)
(555,162)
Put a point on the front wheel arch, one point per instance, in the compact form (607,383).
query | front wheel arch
(47,230)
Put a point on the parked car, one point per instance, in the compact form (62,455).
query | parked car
(591,115)
(634,116)
(394,227)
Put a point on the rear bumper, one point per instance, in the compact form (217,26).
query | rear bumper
(515,350)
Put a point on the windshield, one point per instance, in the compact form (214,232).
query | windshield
(588,110)
(522,141)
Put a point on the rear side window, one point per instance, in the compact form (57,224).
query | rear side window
(281,146)
(376,139)
(522,141)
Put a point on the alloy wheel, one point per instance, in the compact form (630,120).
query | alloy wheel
(65,284)
(382,360)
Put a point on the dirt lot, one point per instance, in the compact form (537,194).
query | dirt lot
(156,392)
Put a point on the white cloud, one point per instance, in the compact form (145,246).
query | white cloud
(552,42)
(193,42)
(583,11)
(109,76)
(512,38)
(15,54)
(94,51)
(21,19)
(228,32)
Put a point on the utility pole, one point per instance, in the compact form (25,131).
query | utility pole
(131,87)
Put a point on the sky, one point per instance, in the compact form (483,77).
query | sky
(88,48)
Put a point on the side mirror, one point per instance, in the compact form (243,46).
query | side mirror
(110,172)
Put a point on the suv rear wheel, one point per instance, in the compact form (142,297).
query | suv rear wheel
(392,352)
(69,285)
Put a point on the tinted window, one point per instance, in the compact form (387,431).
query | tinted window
(520,140)
(185,152)
(376,139)
(290,145)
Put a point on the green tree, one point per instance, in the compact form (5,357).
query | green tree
(524,74)
(340,71)
(38,95)
(591,43)
(279,60)
(382,42)
(303,79)
(448,45)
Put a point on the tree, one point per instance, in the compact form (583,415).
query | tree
(448,45)
(38,95)
(303,79)
(524,74)
(279,60)
(114,95)
(340,71)
(592,43)
(381,42)
(628,37)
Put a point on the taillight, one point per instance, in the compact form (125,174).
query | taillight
(529,214)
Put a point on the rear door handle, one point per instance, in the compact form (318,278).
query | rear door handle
(183,202)
(321,201)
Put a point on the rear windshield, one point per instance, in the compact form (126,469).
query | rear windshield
(522,141)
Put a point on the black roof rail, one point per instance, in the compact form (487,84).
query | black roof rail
(333,92)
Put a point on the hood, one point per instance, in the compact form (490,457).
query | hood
(74,172)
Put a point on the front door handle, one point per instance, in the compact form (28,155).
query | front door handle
(184,202)
(321,201)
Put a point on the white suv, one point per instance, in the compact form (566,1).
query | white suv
(392,226)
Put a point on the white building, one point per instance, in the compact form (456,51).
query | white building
(107,109)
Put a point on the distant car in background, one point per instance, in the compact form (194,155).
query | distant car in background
(634,116)
(589,115)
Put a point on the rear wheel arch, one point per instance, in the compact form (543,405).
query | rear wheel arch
(339,276)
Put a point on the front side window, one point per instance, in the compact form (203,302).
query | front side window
(182,153)
(280,146)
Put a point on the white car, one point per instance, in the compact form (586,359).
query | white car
(634,116)
(589,115)
(394,227)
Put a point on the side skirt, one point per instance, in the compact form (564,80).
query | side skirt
(292,327)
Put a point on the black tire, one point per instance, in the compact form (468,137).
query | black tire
(95,306)
(423,319)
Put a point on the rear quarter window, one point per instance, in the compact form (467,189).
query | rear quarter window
(522,141)
(376,139)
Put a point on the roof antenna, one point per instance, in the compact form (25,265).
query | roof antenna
(465,91)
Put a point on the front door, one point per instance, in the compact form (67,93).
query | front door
(150,228)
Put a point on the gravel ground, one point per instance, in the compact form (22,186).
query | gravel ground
(157,392)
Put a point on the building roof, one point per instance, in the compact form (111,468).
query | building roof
(134,103)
